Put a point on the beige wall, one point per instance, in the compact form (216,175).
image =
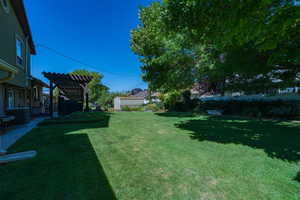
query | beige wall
(117,105)
(131,102)
(121,102)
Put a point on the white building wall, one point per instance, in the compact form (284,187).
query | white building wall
(117,105)
(120,102)
(132,102)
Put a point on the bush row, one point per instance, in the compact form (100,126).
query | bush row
(129,108)
(274,109)
(154,107)
(180,102)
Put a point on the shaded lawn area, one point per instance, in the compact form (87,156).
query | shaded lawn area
(132,155)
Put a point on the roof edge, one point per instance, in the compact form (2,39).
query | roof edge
(20,11)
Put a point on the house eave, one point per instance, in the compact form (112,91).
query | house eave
(11,71)
(20,11)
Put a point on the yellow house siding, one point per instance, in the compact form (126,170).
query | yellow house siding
(1,99)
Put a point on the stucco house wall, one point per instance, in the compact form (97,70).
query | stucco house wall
(1,100)
(132,102)
(15,79)
(117,103)
(10,31)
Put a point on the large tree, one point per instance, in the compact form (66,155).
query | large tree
(96,88)
(240,43)
(164,56)
(257,37)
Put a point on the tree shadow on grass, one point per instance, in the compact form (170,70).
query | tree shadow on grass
(176,114)
(276,139)
(297,178)
(67,166)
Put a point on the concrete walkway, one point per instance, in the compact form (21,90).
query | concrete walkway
(12,135)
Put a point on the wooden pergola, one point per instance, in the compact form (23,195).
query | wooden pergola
(71,87)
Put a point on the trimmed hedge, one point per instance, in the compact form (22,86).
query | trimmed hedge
(184,103)
(273,109)
(131,109)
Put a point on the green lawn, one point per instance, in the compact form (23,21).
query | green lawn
(157,156)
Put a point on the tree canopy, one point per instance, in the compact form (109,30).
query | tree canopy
(249,45)
(96,88)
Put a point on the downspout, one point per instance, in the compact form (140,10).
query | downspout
(26,58)
(27,74)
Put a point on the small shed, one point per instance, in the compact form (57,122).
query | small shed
(132,102)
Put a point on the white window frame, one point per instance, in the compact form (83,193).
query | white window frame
(5,7)
(10,99)
(19,39)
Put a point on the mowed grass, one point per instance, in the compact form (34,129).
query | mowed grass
(157,156)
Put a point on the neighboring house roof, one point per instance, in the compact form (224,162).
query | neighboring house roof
(136,90)
(203,89)
(155,94)
(131,98)
(19,9)
(145,94)
(142,94)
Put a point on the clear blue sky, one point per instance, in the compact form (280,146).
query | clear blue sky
(92,31)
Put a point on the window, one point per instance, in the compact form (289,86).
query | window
(5,5)
(10,99)
(19,49)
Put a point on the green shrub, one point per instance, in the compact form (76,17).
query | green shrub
(274,108)
(110,110)
(160,106)
(179,101)
(199,109)
(127,108)
(155,107)
(250,112)
(170,99)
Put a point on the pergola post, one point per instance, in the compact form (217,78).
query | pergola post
(87,108)
(51,99)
